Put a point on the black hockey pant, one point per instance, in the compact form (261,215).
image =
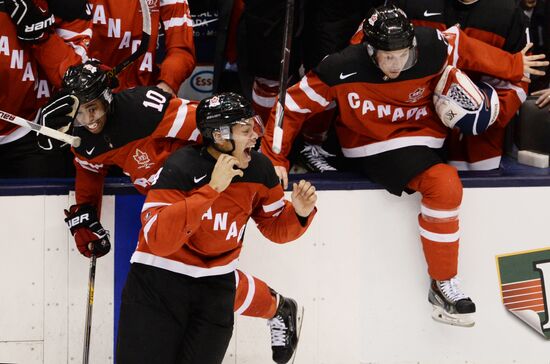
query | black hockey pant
(171,318)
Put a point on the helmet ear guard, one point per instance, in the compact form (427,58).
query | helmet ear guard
(459,102)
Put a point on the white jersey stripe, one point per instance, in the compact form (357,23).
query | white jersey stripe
(440,214)
(147,227)
(483,165)
(177,22)
(311,94)
(291,105)
(396,143)
(440,238)
(179,120)
(249,295)
(274,206)
(263,101)
(148,205)
(182,268)
(172,2)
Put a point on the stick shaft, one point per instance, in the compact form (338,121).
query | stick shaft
(89,308)
(52,133)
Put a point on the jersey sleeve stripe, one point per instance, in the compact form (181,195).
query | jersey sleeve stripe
(195,135)
(396,143)
(274,206)
(148,226)
(505,85)
(148,205)
(178,121)
(313,96)
(177,22)
(262,100)
(68,34)
(180,267)
(453,48)
(291,105)
(172,2)
(440,238)
(89,166)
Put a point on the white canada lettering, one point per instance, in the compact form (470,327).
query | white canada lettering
(43,89)
(4,45)
(28,74)
(220,221)
(99,15)
(114,28)
(207,215)
(385,110)
(125,42)
(17,59)
(232,233)
(147,63)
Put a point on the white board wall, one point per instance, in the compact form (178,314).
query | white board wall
(359,271)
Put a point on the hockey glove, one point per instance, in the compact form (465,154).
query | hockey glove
(89,235)
(57,114)
(32,21)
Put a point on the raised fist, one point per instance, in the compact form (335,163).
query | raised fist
(32,20)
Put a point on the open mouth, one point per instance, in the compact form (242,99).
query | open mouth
(248,151)
(93,126)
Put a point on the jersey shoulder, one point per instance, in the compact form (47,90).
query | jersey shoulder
(260,170)
(185,169)
(352,64)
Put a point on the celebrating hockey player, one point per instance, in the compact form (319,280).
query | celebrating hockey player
(177,304)
(136,130)
(390,131)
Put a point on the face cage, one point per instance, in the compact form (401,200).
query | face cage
(84,118)
(255,121)
(411,61)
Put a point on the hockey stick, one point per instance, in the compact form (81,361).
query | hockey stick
(143,45)
(88,325)
(283,77)
(52,133)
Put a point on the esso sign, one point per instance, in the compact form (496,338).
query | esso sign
(203,81)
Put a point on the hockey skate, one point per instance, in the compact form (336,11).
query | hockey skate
(285,330)
(314,158)
(451,306)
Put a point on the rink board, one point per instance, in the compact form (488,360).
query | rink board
(359,271)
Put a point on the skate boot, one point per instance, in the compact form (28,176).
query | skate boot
(451,306)
(285,330)
(314,158)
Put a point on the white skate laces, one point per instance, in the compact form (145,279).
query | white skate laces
(451,289)
(278,331)
(314,157)
(450,305)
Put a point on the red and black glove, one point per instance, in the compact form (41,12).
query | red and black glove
(89,235)
(32,20)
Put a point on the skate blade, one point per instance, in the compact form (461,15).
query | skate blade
(299,320)
(462,320)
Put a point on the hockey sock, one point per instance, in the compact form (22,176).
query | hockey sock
(438,221)
(264,95)
(253,297)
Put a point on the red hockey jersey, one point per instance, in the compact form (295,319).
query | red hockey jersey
(379,115)
(191,229)
(145,125)
(118,27)
(29,72)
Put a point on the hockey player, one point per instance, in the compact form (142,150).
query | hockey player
(136,130)
(177,304)
(505,29)
(117,30)
(37,45)
(390,132)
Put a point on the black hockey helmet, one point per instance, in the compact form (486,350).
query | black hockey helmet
(387,28)
(89,81)
(219,112)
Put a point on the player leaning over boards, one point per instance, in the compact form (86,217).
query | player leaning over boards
(177,304)
(136,130)
(390,131)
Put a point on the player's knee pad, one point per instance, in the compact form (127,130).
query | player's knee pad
(440,187)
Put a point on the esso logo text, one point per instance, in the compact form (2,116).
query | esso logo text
(203,81)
